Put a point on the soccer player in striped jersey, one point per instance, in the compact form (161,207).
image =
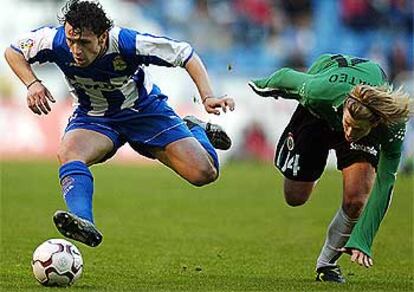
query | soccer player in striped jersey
(346,104)
(116,102)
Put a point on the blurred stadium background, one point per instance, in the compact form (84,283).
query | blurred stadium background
(238,40)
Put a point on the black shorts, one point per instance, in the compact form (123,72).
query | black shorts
(303,148)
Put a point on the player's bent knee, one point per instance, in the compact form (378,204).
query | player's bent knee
(202,176)
(64,155)
(296,199)
(353,208)
(354,201)
(297,193)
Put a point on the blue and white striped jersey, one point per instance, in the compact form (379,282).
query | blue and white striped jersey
(115,81)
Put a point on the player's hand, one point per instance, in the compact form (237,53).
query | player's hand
(38,97)
(358,257)
(212,104)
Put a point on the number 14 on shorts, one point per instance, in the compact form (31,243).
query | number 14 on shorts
(291,162)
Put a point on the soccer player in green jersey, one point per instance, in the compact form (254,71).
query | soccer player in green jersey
(345,104)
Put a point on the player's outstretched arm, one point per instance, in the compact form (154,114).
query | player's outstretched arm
(212,103)
(362,236)
(285,83)
(37,94)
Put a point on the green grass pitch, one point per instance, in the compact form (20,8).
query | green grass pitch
(162,234)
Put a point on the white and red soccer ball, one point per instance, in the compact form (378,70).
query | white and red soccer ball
(57,262)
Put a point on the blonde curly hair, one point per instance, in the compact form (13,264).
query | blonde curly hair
(379,105)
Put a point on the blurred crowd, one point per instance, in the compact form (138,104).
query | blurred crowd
(253,36)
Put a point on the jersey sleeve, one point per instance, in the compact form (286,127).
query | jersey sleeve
(37,45)
(155,50)
(379,201)
(286,83)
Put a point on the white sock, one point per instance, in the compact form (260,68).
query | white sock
(337,235)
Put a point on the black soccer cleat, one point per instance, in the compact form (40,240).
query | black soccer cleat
(76,228)
(329,274)
(216,134)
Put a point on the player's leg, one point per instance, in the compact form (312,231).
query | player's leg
(358,180)
(297,193)
(79,149)
(186,146)
(190,160)
(195,159)
(301,155)
(83,144)
(357,163)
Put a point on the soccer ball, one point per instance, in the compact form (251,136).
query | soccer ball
(57,262)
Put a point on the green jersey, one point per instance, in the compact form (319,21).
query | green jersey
(322,90)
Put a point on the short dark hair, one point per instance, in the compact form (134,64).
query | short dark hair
(83,15)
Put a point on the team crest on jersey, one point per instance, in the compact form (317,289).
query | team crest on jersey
(26,44)
(119,64)
(290,142)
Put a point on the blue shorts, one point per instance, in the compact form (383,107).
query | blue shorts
(156,125)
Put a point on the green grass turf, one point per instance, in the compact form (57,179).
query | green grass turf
(161,233)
